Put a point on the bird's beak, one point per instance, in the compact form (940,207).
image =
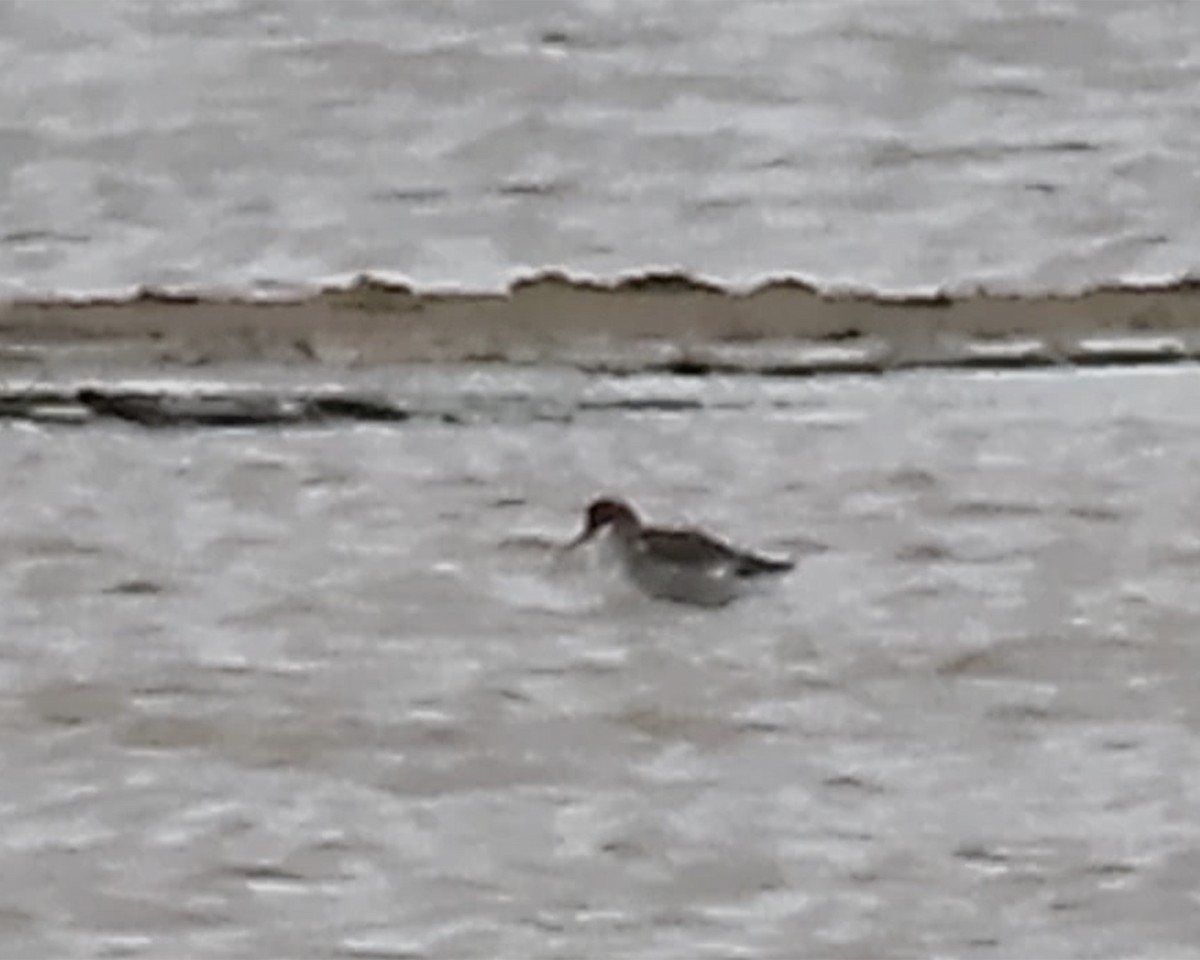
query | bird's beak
(585,535)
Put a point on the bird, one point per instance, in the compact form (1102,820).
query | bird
(682,565)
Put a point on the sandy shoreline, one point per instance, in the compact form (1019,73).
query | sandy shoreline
(660,321)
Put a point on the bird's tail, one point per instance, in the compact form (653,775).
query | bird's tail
(750,565)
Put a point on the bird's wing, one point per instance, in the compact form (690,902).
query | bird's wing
(686,547)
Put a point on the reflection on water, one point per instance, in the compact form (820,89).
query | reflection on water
(323,692)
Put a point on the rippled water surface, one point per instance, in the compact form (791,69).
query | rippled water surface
(333,693)
(232,143)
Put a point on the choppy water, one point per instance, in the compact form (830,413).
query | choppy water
(328,692)
(1039,144)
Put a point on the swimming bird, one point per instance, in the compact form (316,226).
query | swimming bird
(683,565)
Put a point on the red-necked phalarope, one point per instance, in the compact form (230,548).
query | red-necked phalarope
(687,566)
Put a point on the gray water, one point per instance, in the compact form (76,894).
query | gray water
(333,693)
(234,144)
